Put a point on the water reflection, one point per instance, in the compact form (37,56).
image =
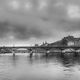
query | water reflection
(14,60)
(39,68)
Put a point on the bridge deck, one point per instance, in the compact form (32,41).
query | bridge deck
(41,47)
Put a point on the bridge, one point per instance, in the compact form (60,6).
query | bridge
(42,49)
(45,47)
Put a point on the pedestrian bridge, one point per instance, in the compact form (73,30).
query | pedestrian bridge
(45,48)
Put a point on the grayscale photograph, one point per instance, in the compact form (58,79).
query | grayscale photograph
(39,39)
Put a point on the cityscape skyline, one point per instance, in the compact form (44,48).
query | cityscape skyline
(70,39)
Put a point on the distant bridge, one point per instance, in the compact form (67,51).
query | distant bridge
(43,49)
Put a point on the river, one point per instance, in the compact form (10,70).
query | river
(21,67)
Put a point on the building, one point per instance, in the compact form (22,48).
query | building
(70,43)
(70,40)
(44,44)
(67,41)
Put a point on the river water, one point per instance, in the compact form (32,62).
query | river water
(21,67)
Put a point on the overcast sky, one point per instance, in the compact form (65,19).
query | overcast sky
(23,22)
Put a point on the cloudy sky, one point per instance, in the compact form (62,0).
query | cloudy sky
(25,22)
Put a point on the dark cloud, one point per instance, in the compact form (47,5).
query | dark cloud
(69,25)
(36,25)
(4,28)
(21,32)
(26,33)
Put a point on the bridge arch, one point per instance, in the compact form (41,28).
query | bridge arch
(78,50)
(40,50)
(68,50)
(68,53)
(54,50)
(21,50)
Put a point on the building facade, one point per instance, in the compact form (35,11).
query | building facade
(67,41)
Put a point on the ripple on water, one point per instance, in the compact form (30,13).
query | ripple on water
(37,68)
